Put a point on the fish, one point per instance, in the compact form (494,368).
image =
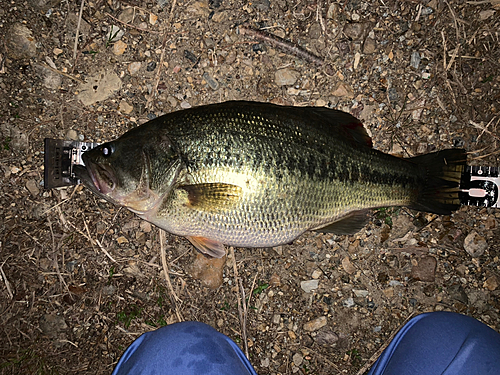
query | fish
(251,174)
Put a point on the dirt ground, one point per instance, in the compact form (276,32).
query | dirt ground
(80,279)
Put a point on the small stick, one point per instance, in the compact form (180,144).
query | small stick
(244,322)
(133,26)
(4,277)
(75,47)
(164,263)
(63,74)
(282,44)
(240,309)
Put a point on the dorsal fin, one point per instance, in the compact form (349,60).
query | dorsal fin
(351,125)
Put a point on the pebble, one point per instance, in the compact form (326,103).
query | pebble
(133,68)
(285,77)
(185,104)
(153,18)
(32,187)
(475,244)
(276,318)
(415,59)
(348,266)
(52,324)
(326,337)
(491,283)
(125,108)
(208,270)
(119,48)
(370,46)
(114,34)
(317,274)
(355,30)
(425,269)
(20,42)
(343,90)
(109,290)
(349,302)
(309,285)
(99,87)
(315,324)
(151,66)
(298,358)
(360,292)
(57,51)
(126,16)
(214,85)
(121,240)
(72,135)
(275,280)
(145,226)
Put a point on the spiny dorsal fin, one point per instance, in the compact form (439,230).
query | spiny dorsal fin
(350,124)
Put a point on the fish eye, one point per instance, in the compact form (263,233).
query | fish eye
(107,150)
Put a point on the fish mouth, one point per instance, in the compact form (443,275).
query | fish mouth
(98,178)
(102,177)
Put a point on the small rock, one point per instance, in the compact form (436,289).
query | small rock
(326,337)
(309,285)
(485,14)
(264,362)
(475,244)
(133,68)
(114,34)
(214,85)
(99,87)
(355,30)
(185,104)
(415,59)
(297,359)
(51,79)
(208,270)
(292,335)
(315,324)
(72,135)
(457,292)
(153,18)
(317,274)
(127,15)
(388,292)
(343,90)
(276,318)
(370,46)
(349,302)
(348,266)
(32,187)
(285,77)
(360,293)
(425,270)
(151,66)
(52,324)
(119,48)
(121,240)
(145,226)
(125,108)
(491,283)
(20,42)
(275,280)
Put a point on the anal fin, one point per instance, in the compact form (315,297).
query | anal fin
(208,247)
(349,224)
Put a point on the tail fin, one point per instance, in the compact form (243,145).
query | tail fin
(443,170)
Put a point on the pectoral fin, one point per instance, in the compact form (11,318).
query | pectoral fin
(350,224)
(212,196)
(208,247)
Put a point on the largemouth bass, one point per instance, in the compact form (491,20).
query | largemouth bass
(250,174)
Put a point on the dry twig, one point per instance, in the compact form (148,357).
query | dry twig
(164,263)
(282,44)
(4,277)
(240,302)
(75,47)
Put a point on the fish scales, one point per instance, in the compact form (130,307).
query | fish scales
(255,175)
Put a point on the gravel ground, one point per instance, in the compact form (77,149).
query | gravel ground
(81,279)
